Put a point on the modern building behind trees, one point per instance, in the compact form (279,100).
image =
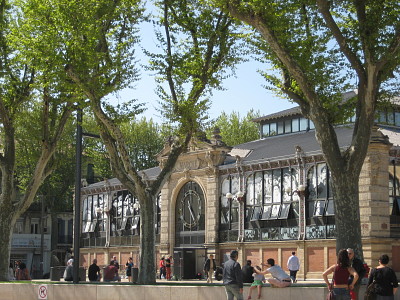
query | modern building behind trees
(266,198)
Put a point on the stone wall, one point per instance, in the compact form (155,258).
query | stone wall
(17,291)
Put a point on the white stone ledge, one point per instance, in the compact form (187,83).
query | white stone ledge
(28,291)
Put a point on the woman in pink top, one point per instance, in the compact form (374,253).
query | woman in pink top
(341,272)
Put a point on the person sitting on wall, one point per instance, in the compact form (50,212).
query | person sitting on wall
(111,273)
(279,277)
(68,273)
(248,271)
(94,271)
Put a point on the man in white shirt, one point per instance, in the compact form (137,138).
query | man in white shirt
(293,265)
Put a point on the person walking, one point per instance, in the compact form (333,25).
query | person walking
(357,265)
(293,265)
(341,273)
(233,277)
(248,271)
(209,268)
(386,281)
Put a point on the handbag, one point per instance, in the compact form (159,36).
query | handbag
(331,295)
(370,293)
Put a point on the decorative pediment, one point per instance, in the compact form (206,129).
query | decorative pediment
(201,153)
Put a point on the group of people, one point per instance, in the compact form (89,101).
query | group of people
(346,281)
(349,271)
(234,277)
(21,271)
(165,265)
(111,272)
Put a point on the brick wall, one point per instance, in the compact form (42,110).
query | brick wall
(270,253)
(84,260)
(254,256)
(100,259)
(315,258)
(331,256)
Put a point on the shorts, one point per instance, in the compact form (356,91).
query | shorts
(257,282)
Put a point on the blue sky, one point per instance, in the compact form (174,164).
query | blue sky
(242,93)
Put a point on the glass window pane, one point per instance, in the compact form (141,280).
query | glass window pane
(312,126)
(295,183)
(275,211)
(397,118)
(285,211)
(390,118)
(235,214)
(311,208)
(224,190)
(235,185)
(286,184)
(295,209)
(265,130)
(280,127)
(295,125)
(258,186)
(276,198)
(319,208)
(312,183)
(330,210)
(266,212)
(322,180)
(268,187)
(94,205)
(256,213)
(224,215)
(250,190)
(272,129)
(288,126)
(382,117)
(248,213)
(303,124)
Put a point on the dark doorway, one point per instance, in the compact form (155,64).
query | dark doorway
(185,263)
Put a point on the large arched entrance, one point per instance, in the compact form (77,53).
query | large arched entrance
(189,252)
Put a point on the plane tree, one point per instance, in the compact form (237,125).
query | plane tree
(30,93)
(317,50)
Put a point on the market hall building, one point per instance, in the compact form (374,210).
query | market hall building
(265,198)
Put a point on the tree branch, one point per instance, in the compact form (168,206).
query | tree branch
(323,6)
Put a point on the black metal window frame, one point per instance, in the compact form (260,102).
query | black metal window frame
(320,210)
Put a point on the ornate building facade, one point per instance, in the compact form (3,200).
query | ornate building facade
(265,198)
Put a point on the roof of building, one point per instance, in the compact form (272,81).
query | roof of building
(281,147)
(283,113)
(274,148)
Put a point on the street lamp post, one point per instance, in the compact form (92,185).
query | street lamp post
(77,206)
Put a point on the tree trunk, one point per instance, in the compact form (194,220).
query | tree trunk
(7,222)
(348,226)
(147,271)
